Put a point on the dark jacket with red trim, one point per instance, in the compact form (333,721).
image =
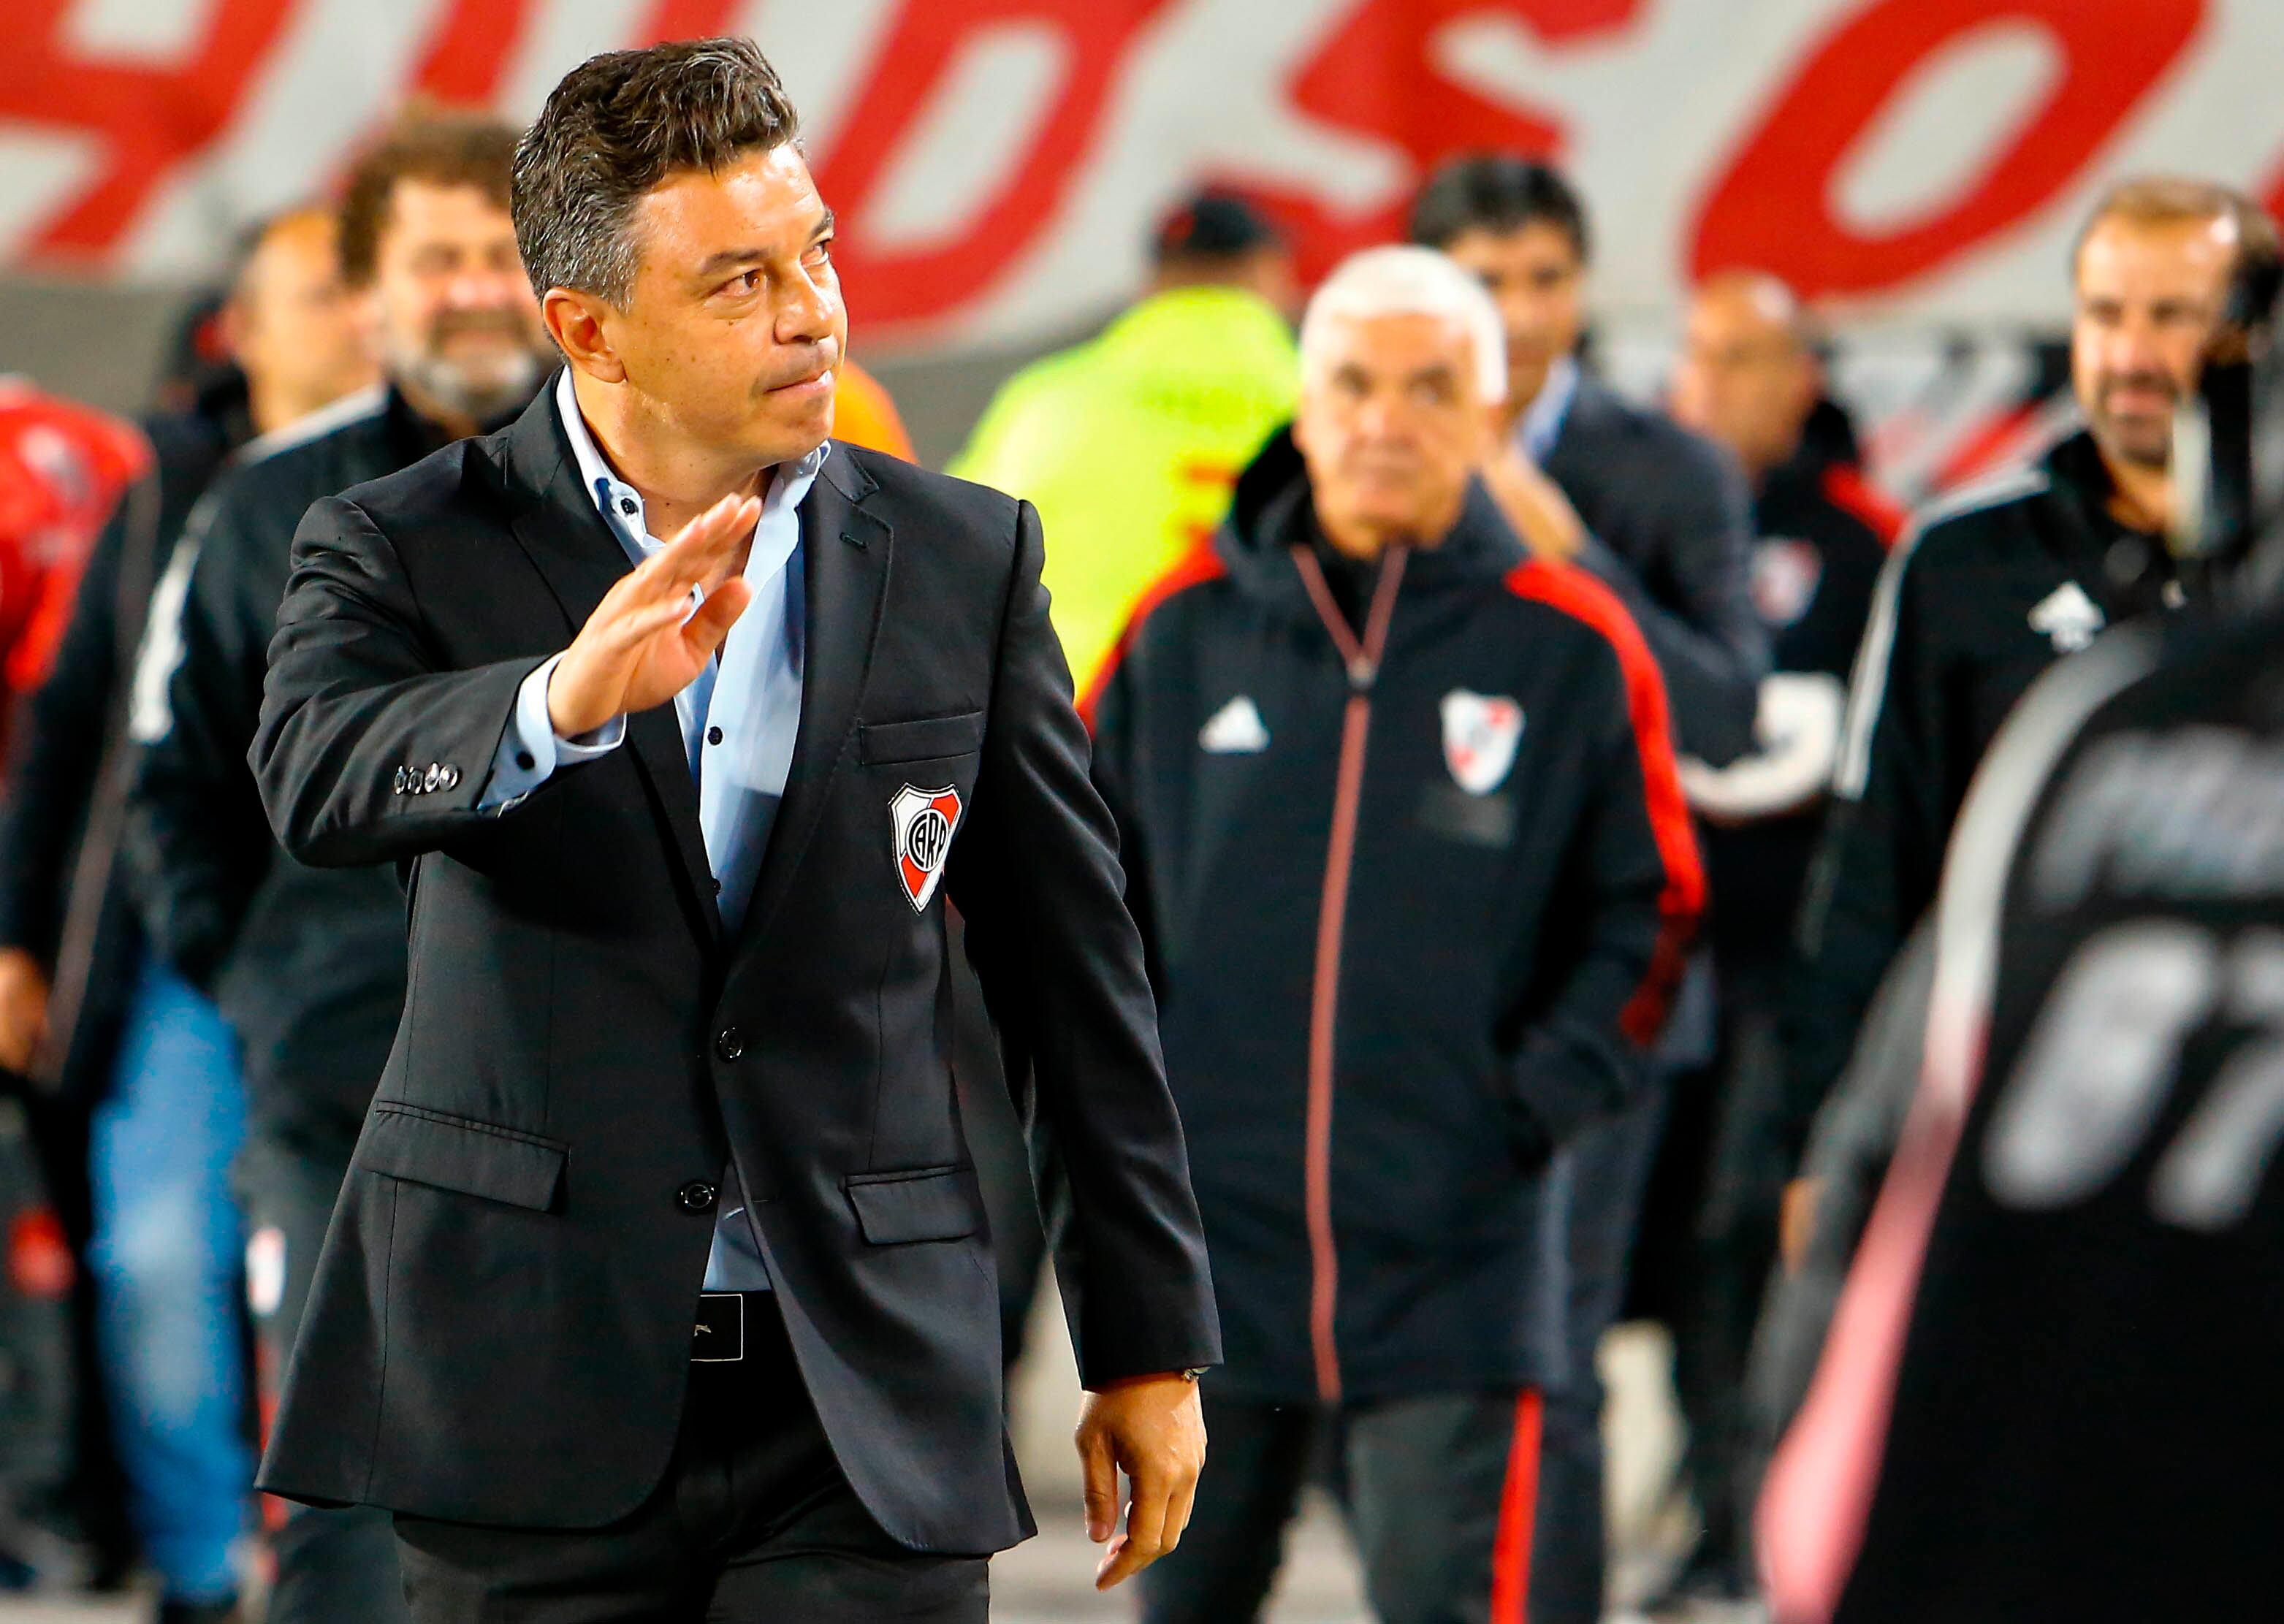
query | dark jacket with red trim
(1372,1159)
(1822,534)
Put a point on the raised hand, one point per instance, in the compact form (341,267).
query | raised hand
(1534,505)
(645,643)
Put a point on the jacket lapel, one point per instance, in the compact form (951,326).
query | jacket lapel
(845,551)
(558,524)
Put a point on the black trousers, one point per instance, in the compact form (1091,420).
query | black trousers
(1727,1247)
(1440,1494)
(755,1524)
(329,1566)
(1610,1168)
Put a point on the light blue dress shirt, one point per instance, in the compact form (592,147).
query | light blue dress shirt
(738,721)
(1541,420)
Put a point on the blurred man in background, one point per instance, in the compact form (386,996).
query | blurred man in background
(1128,444)
(1994,585)
(1460,937)
(308,965)
(1749,380)
(1661,516)
(82,1009)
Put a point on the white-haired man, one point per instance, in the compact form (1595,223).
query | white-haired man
(1402,830)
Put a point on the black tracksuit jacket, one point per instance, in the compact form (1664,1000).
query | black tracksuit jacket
(1988,590)
(1823,539)
(306,964)
(1395,966)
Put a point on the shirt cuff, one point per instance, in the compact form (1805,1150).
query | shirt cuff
(531,750)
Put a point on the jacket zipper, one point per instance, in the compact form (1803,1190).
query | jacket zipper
(1363,662)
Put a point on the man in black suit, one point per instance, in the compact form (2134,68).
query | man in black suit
(675,1046)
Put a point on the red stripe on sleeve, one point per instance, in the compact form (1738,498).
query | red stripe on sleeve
(1847,489)
(1518,1521)
(1194,567)
(1578,595)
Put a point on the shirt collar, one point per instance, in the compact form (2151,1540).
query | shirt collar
(1542,419)
(621,504)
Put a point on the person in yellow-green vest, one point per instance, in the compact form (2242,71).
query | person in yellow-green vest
(1128,444)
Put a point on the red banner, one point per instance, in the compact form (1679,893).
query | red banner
(997,163)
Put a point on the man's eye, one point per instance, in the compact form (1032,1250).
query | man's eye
(821,251)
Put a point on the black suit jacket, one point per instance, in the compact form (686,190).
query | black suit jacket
(1670,519)
(500,1326)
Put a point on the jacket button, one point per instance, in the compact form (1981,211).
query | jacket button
(450,779)
(397,784)
(695,1196)
(731,1043)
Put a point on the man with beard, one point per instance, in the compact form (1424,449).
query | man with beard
(1996,584)
(309,965)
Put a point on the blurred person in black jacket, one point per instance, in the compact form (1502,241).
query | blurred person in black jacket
(1661,515)
(1997,583)
(74,989)
(1749,380)
(307,965)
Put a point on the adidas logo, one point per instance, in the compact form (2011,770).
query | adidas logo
(2068,617)
(1236,729)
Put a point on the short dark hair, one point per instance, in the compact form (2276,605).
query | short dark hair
(1212,228)
(1499,193)
(615,126)
(439,147)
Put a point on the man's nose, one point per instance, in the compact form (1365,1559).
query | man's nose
(2133,347)
(480,288)
(809,312)
(1382,416)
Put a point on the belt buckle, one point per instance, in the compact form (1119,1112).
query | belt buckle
(719,1336)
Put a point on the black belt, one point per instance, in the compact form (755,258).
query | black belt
(719,1337)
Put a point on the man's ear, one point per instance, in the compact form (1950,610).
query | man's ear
(575,321)
(231,327)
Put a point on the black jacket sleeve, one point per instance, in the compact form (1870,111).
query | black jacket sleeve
(59,748)
(1693,600)
(1109,718)
(1636,890)
(352,695)
(196,840)
(1036,875)
(1882,853)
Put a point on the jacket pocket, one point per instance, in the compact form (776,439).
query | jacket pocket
(924,738)
(456,1153)
(921,1204)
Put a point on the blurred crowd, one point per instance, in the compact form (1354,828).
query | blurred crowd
(1528,794)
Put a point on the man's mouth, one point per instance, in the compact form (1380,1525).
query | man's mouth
(504,327)
(2139,397)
